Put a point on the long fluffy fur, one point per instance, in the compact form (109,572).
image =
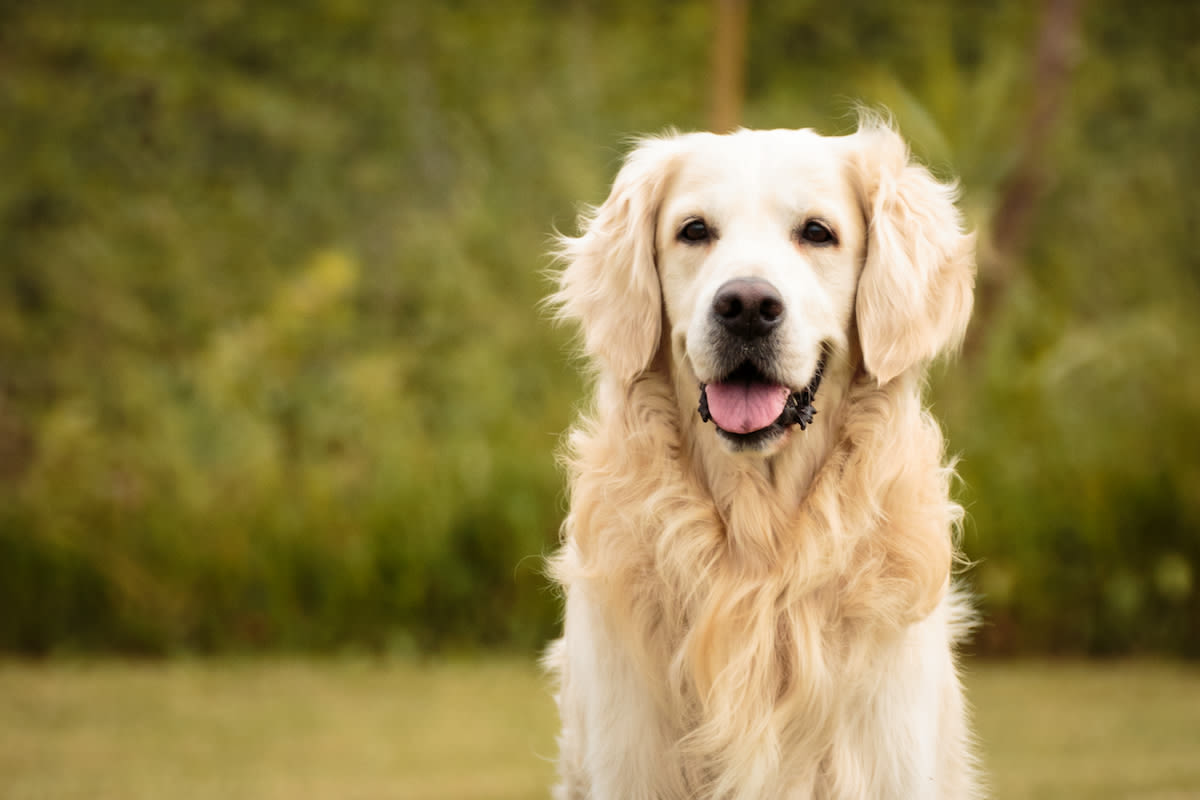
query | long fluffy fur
(734,625)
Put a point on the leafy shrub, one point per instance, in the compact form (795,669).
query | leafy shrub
(273,373)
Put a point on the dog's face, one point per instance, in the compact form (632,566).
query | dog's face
(760,239)
(758,259)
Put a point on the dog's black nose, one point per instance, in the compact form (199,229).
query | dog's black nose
(749,308)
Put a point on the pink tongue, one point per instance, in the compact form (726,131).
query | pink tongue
(745,407)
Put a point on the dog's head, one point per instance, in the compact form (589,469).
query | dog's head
(758,257)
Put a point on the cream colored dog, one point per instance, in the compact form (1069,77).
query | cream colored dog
(758,554)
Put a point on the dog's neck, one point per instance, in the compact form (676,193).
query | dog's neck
(747,509)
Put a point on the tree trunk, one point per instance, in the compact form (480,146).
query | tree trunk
(728,64)
(1012,220)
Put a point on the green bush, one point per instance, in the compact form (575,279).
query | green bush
(273,373)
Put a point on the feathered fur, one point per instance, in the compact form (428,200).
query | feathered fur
(764,627)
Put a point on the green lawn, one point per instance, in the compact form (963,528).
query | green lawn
(363,729)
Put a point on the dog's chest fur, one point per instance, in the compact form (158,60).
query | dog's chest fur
(758,622)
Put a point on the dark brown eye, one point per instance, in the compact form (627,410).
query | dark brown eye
(817,233)
(694,231)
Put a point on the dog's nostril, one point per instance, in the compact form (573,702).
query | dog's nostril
(748,307)
(771,308)
(728,305)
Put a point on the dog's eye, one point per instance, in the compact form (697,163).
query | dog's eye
(694,231)
(817,233)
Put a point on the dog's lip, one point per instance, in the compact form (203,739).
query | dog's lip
(798,410)
(744,401)
(748,369)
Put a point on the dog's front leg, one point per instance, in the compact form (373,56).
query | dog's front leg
(907,738)
(614,743)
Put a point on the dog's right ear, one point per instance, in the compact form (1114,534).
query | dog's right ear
(609,283)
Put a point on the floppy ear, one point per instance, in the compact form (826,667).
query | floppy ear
(916,288)
(610,281)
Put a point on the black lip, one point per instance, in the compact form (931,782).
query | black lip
(748,372)
(755,439)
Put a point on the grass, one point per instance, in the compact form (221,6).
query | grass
(1099,730)
(475,730)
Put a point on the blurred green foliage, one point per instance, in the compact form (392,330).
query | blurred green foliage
(271,368)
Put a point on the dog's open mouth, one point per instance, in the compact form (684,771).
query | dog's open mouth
(748,407)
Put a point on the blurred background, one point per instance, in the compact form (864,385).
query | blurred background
(272,374)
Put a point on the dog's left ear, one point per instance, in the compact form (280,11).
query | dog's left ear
(916,289)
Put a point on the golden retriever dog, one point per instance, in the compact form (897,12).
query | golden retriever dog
(757,559)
